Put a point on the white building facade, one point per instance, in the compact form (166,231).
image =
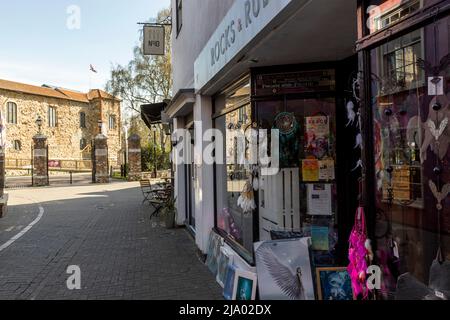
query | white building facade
(292,67)
(221,51)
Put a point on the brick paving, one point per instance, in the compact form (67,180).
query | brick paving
(108,234)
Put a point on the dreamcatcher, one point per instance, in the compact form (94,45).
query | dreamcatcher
(288,127)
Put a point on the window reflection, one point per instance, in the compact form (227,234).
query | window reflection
(406,153)
(382,14)
(232,177)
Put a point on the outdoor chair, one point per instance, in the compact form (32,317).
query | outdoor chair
(155,196)
(159,200)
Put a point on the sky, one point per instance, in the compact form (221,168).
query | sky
(54,41)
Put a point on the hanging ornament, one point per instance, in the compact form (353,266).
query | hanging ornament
(359,141)
(359,255)
(255,183)
(440,196)
(247,200)
(359,164)
(437,133)
(351,115)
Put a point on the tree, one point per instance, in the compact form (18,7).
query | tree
(146,79)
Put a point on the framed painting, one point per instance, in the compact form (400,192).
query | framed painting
(244,288)
(334,284)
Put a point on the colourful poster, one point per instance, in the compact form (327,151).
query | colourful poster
(319,238)
(317,134)
(310,170)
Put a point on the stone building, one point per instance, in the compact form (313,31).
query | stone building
(70,121)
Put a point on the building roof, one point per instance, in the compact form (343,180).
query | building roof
(55,92)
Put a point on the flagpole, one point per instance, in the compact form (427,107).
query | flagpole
(90,80)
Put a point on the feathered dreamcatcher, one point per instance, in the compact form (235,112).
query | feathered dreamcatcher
(246,200)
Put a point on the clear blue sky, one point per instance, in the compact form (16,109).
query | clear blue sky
(37,47)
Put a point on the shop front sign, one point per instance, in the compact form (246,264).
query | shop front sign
(243,22)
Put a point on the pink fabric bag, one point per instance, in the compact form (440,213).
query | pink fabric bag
(357,255)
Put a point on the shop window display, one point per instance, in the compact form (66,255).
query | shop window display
(234,194)
(410,81)
(300,201)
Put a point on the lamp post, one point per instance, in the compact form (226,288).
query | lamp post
(155,166)
(100,124)
(39,124)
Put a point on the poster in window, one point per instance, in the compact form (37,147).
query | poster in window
(310,170)
(317,134)
(320,238)
(326,170)
(319,200)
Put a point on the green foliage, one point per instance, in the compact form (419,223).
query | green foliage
(152,156)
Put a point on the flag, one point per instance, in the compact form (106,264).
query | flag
(91,67)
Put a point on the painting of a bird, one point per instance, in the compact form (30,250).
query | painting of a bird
(288,280)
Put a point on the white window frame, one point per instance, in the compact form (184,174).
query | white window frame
(52,117)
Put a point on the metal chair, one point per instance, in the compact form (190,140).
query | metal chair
(159,200)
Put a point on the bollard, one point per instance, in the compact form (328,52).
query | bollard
(70,172)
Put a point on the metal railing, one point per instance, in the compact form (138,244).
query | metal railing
(53,165)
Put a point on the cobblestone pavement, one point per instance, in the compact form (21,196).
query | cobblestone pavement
(107,232)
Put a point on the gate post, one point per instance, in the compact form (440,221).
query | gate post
(40,161)
(3,195)
(134,158)
(101,159)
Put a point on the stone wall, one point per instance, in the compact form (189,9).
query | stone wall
(64,139)
(134,158)
(110,107)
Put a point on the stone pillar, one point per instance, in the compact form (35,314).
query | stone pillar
(101,159)
(3,195)
(40,161)
(134,158)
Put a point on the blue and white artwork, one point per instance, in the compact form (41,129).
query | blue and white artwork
(334,284)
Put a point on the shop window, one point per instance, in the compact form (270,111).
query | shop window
(382,14)
(12,113)
(52,117)
(233,172)
(301,199)
(82,120)
(411,152)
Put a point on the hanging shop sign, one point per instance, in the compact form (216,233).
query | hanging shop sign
(243,22)
(154,41)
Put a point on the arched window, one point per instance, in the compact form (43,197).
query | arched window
(82,120)
(11,112)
